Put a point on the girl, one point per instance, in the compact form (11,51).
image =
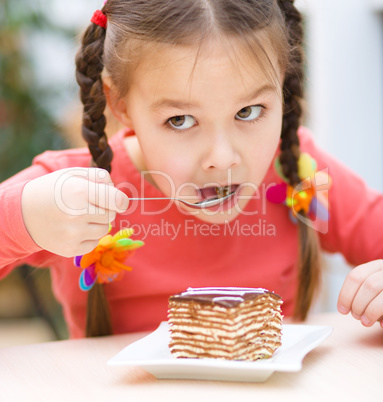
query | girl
(209,93)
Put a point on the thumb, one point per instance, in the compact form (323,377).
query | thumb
(122,201)
(106,196)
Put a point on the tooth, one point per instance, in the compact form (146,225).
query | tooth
(222,191)
(219,192)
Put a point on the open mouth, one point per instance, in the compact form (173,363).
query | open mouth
(212,192)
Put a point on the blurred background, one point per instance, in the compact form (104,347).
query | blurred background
(40,110)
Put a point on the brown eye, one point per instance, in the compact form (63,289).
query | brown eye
(244,113)
(177,121)
(182,122)
(249,113)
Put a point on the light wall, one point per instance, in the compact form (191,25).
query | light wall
(345,96)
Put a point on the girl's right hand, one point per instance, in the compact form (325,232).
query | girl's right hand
(66,212)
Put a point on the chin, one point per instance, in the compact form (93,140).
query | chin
(217,217)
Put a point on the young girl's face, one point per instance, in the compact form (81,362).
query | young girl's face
(203,121)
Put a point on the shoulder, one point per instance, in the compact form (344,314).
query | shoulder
(55,160)
(308,145)
(306,139)
(74,157)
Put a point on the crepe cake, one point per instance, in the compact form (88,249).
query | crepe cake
(225,323)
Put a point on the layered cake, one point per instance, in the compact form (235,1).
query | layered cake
(225,323)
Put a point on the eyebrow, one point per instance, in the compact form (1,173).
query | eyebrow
(258,92)
(171,103)
(179,104)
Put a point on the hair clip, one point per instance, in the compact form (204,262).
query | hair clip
(106,263)
(100,19)
(309,196)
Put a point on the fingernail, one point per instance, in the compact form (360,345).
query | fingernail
(356,316)
(342,309)
(364,321)
(121,201)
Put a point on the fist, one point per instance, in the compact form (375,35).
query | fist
(362,293)
(66,212)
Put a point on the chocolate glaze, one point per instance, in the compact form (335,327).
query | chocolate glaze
(226,296)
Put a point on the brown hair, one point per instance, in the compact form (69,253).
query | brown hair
(308,270)
(134,25)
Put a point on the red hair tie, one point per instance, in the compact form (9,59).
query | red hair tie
(99,18)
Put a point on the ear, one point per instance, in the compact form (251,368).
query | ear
(115,103)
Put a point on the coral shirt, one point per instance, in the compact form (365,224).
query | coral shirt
(258,249)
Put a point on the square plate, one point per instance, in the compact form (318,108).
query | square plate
(152,354)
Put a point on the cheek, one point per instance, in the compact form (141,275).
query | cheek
(262,156)
(178,167)
(170,171)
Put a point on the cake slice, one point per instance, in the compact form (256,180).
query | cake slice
(225,323)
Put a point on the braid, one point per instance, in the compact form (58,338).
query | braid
(308,275)
(292,92)
(89,66)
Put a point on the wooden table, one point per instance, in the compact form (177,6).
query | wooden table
(348,366)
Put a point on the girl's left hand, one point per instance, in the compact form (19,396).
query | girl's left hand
(362,293)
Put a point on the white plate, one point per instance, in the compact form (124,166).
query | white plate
(153,355)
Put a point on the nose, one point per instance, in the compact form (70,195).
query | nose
(221,152)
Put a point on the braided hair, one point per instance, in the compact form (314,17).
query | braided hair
(132,23)
(308,274)
(89,67)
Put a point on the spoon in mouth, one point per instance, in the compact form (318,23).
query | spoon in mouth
(211,202)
